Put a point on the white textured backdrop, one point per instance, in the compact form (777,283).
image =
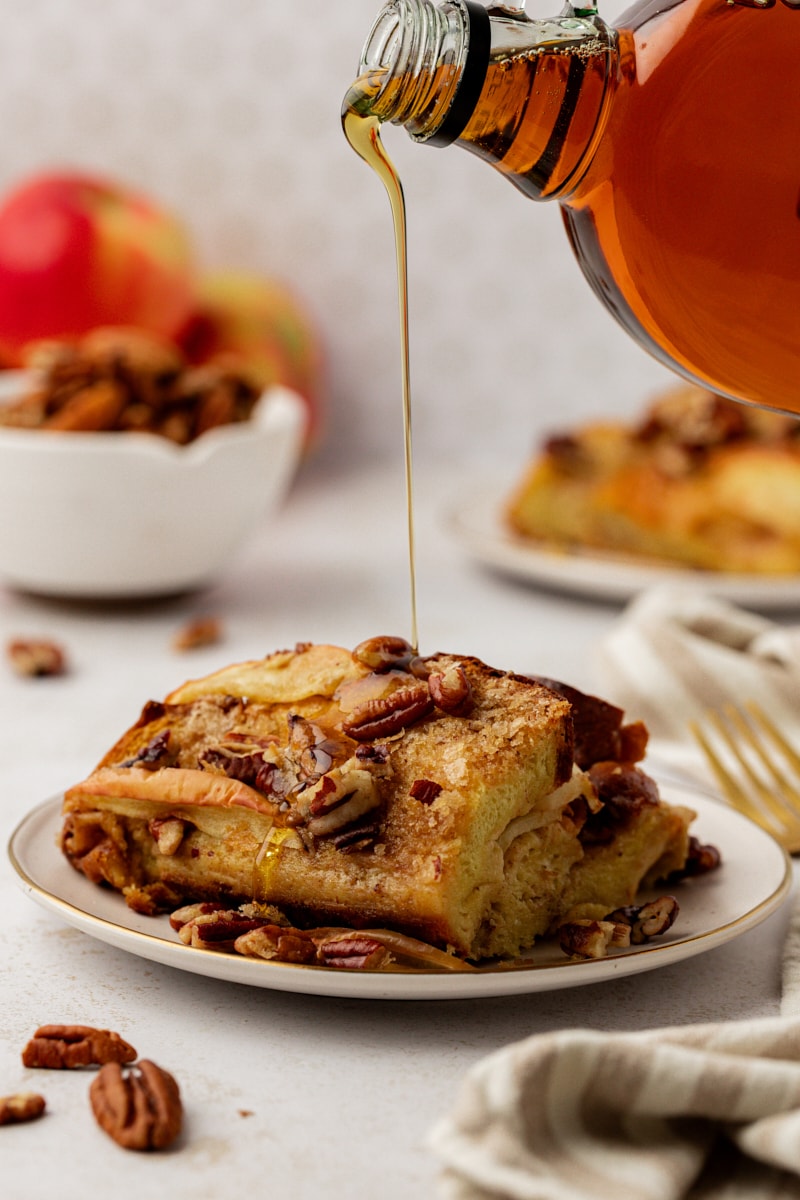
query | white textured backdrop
(228,110)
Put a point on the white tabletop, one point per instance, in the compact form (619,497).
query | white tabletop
(291,1096)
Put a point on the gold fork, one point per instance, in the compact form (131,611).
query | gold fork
(756,767)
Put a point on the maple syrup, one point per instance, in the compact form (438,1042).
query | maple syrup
(670,142)
(362,130)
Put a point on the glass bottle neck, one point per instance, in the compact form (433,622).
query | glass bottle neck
(415,56)
(455,71)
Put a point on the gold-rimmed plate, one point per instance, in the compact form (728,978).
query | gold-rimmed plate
(754,879)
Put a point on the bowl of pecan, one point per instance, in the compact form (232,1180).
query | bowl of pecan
(125,472)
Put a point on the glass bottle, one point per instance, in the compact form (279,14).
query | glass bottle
(671,143)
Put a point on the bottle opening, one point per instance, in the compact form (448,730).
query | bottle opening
(383,45)
(427,63)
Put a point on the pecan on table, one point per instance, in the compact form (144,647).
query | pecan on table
(36,658)
(67,1046)
(197,633)
(139,1107)
(25,1106)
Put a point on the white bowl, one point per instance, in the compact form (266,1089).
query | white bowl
(126,515)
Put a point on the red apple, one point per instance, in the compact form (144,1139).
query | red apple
(262,325)
(77,251)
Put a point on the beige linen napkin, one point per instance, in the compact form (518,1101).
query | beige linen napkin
(676,652)
(707,1112)
(703,1111)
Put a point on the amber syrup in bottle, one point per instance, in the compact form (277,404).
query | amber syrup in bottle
(671,142)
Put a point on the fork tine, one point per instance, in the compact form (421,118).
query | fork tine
(779,800)
(730,786)
(791,756)
(766,794)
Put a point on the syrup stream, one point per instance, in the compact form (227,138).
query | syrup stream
(362,131)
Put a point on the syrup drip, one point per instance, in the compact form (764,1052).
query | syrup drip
(266,861)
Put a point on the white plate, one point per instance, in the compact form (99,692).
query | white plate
(753,881)
(476,520)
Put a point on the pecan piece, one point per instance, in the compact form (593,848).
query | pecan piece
(182,916)
(211,929)
(152,756)
(361,836)
(277,943)
(197,633)
(425,790)
(167,833)
(341,798)
(140,1108)
(592,939)
(451,692)
(649,920)
(376,753)
(311,750)
(36,658)
(25,1106)
(67,1046)
(700,859)
(390,714)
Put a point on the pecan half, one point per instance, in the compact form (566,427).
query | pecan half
(451,692)
(68,1046)
(345,950)
(36,658)
(390,714)
(25,1106)
(139,1108)
(357,953)
(383,653)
